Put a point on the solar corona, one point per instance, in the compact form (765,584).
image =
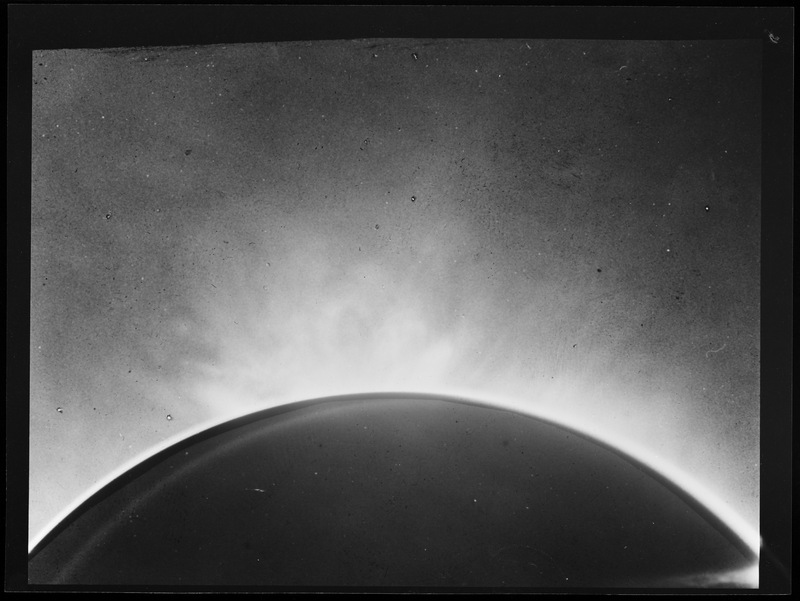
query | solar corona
(402,313)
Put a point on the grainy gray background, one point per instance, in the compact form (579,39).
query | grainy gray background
(575,224)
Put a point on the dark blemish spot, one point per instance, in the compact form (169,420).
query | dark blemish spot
(377,227)
(505,443)
(574,345)
(188,152)
(599,270)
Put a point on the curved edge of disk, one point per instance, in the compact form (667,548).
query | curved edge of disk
(732,527)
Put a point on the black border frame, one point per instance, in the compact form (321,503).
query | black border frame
(46,26)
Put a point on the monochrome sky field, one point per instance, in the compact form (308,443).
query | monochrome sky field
(573,224)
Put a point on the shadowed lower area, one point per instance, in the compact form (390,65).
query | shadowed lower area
(395,491)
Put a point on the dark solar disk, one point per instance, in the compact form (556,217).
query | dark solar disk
(408,491)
